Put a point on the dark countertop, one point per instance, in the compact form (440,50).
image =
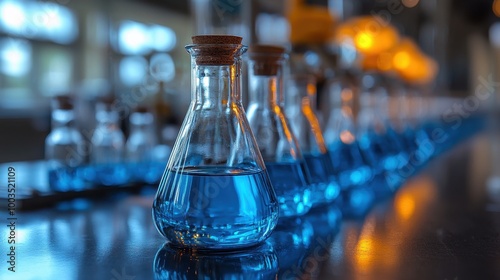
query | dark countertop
(442,224)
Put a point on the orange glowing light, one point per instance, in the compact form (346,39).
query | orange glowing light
(410,3)
(370,34)
(363,41)
(309,23)
(496,8)
(384,62)
(412,64)
(365,247)
(405,206)
(401,60)
(364,251)
(313,122)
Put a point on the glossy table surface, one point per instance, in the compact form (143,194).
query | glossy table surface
(444,223)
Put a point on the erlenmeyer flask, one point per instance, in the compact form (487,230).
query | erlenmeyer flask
(381,149)
(215,192)
(300,98)
(277,143)
(340,135)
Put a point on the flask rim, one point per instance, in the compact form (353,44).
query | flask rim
(216,54)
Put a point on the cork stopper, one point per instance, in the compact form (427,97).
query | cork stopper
(216,49)
(266,59)
(63,102)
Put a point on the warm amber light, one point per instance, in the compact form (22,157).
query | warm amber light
(405,206)
(313,122)
(363,41)
(370,34)
(496,8)
(413,65)
(401,60)
(410,3)
(365,248)
(384,61)
(311,89)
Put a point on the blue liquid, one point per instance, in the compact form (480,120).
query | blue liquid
(215,207)
(290,185)
(68,179)
(147,172)
(348,164)
(357,201)
(108,174)
(409,138)
(324,188)
(381,152)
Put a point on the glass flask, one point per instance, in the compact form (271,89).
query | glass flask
(278,145)
(141,147)
(380,146)
(108,147)
(340,135)
(259,263)
(64,148)
(215,193)
(300,99)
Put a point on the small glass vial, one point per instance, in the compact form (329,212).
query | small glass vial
(108,147)
(277,143)
(65,148)
(141,145)
(300,99)
(215,193)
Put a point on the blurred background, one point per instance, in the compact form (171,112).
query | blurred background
(136,50)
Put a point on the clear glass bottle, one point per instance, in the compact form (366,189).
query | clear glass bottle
(278,145)
(107,155)
(141,145)
(64,148)
(300,100)
(215,193)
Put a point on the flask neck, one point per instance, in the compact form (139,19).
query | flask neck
(62,118)
(265,91)
(106,117)
(306,89)
(216,86)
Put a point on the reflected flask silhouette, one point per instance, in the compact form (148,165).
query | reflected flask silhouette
(215,193)
(260,263)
